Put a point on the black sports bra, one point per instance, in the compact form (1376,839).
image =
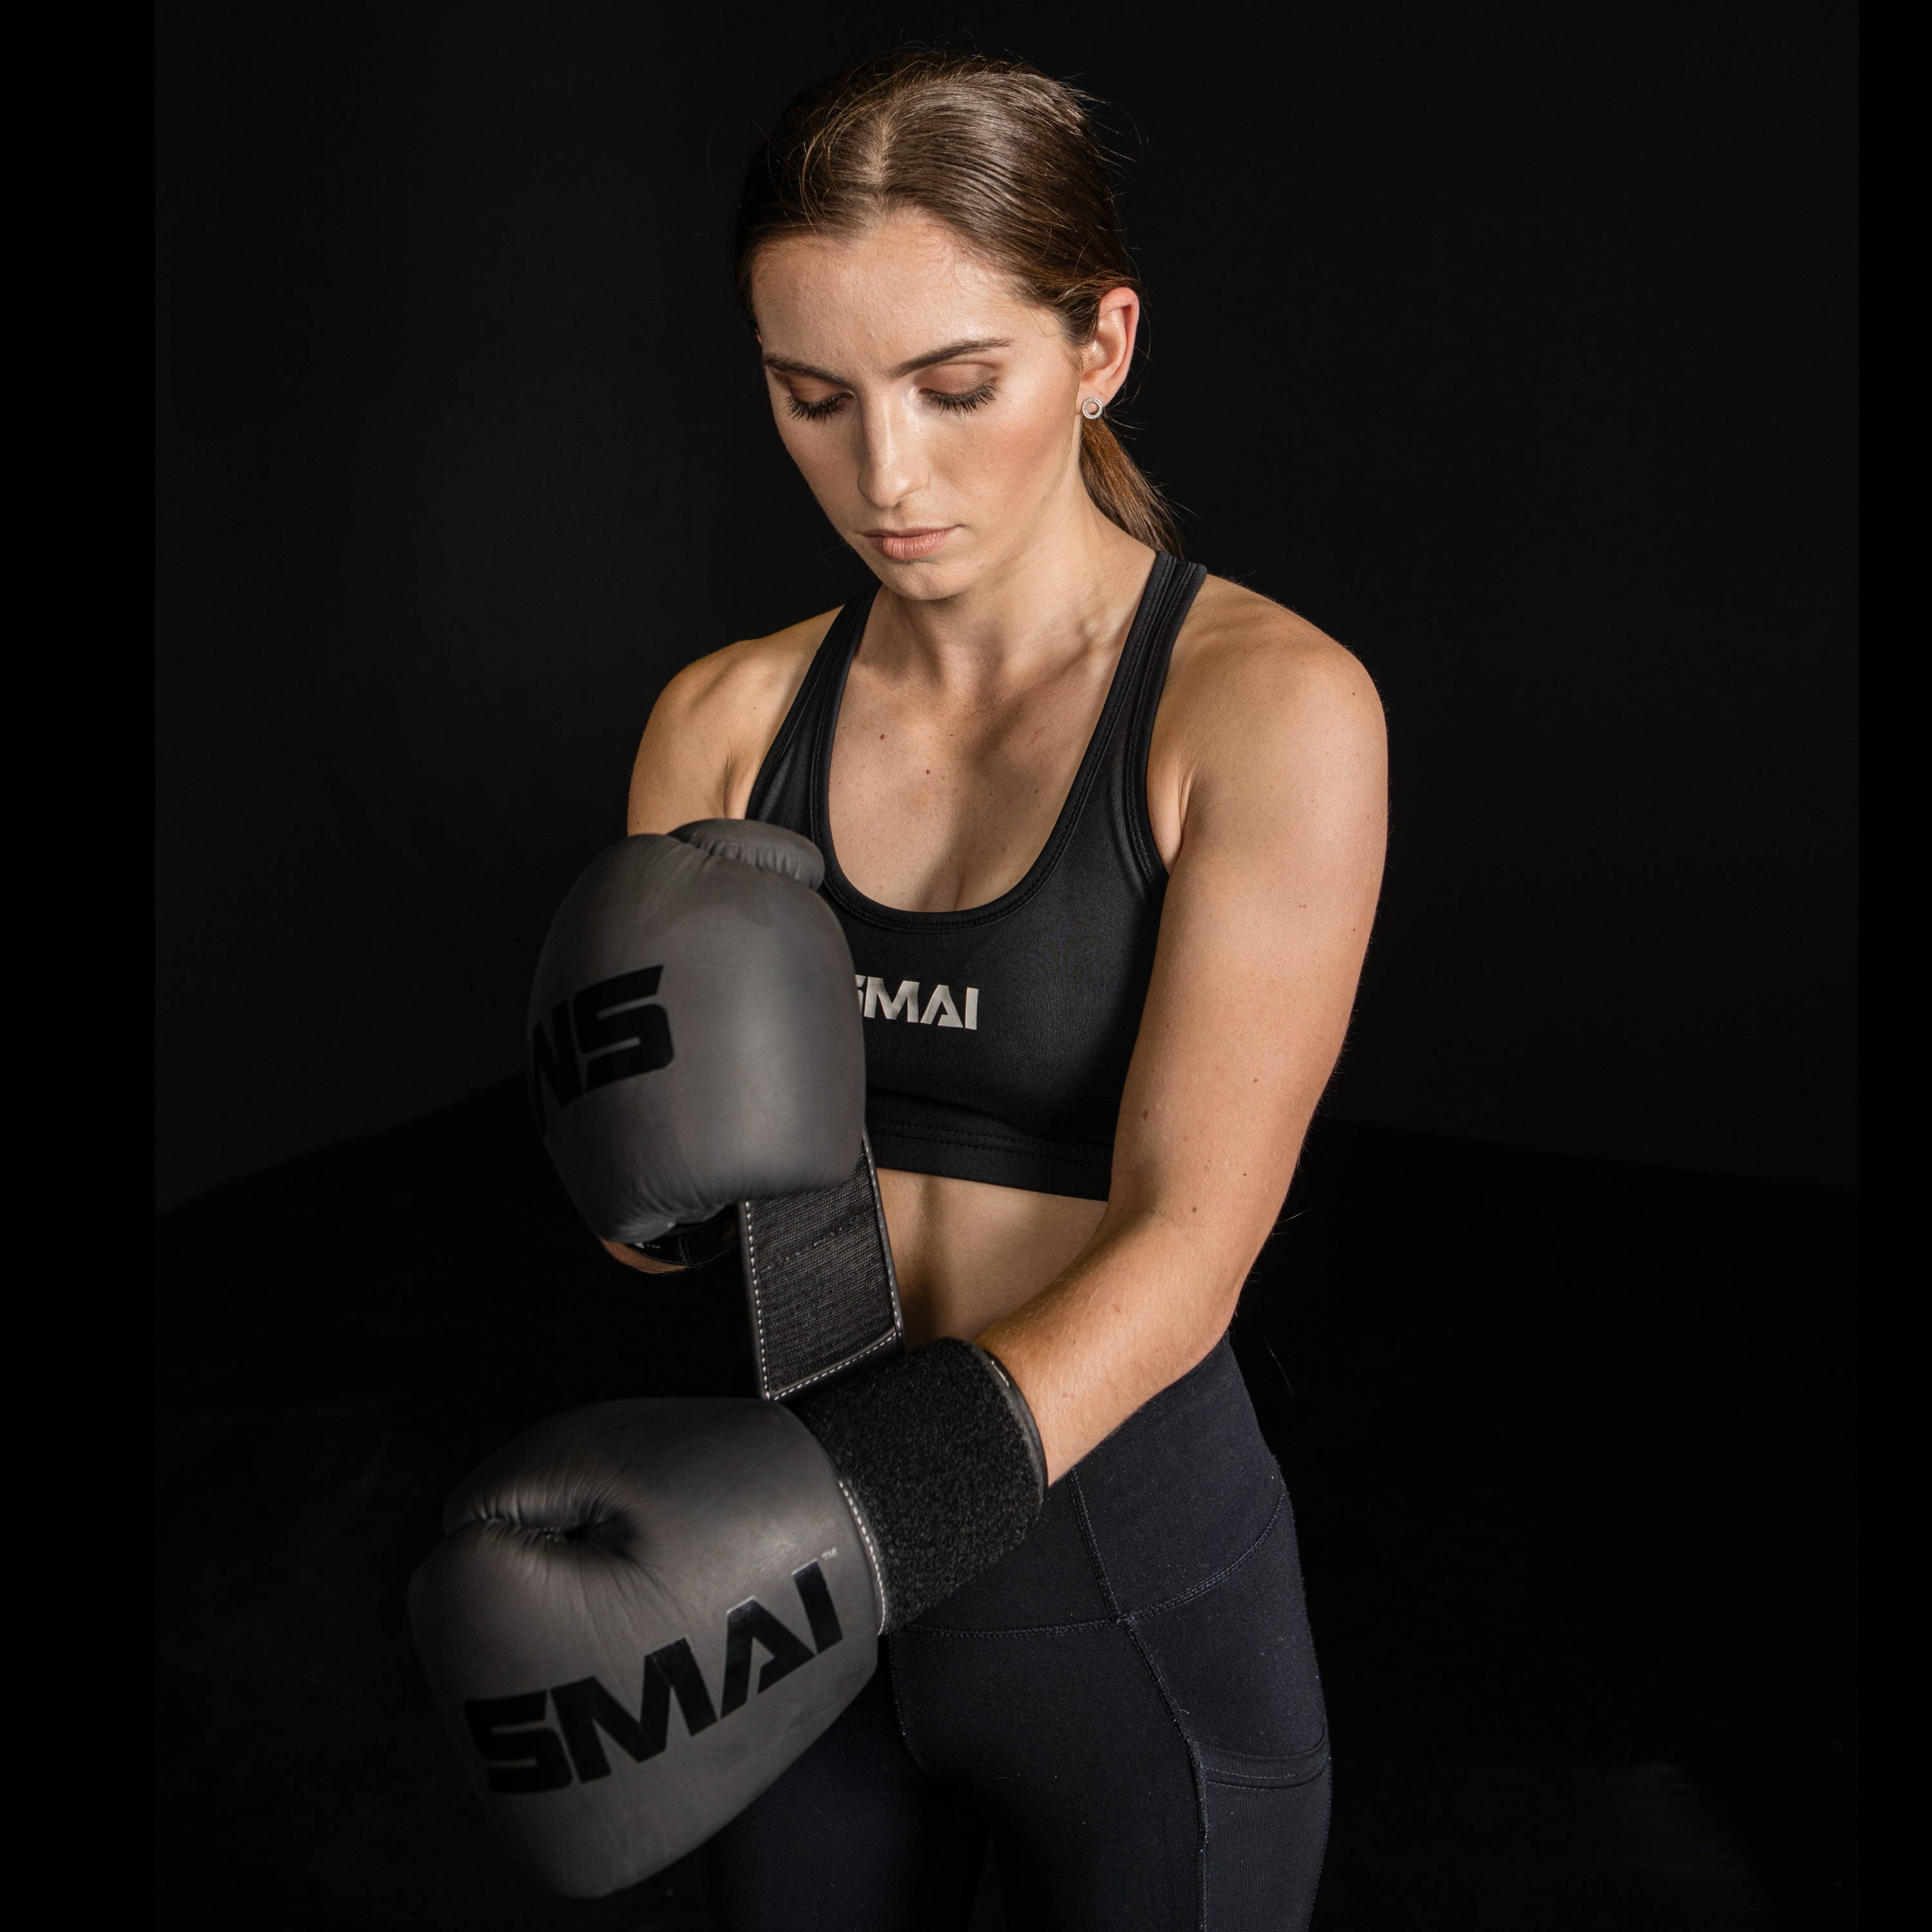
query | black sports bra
(997,1038)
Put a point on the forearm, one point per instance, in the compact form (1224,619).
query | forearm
(1145,1302)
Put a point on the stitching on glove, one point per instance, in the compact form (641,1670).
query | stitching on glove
(872,1551)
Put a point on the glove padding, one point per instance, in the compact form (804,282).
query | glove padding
(694,1039)
(643,1612)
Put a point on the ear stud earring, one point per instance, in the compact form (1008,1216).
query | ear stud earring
(1091,408)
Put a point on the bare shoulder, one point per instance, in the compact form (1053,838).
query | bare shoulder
(1242,654)
(1261,705)
(746,680)
(712,723)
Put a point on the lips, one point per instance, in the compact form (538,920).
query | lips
(908,546)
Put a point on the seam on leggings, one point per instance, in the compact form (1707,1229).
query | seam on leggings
(1255,1782)
(1117,1616)
(1321,1858)
(1270,1771)
(1221,1575)
(1321,1744)
(898,1709)
(1194,1767)
(1014,1631)
(1090,1543)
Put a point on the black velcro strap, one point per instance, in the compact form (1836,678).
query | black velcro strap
(818,1274)
(940,1449)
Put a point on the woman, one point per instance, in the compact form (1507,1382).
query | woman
(1129,818)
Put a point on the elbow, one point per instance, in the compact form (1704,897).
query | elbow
(1209,1282)
(1215,1269)
(1217,1316)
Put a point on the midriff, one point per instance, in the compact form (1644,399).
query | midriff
(967,1255)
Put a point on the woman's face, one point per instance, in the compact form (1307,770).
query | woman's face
(933,411)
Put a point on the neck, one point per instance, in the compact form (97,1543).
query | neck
(1068,588)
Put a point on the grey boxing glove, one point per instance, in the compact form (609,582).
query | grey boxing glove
(643,1613)
(694,1041)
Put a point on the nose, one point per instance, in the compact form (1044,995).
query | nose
(891,465)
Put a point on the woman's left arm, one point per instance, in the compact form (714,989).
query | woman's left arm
(1279,737)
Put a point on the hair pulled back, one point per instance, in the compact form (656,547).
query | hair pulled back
(1005,156)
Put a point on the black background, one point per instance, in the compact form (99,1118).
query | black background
(1510,342)
(1570,1444)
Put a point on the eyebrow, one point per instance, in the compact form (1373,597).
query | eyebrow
(786,366)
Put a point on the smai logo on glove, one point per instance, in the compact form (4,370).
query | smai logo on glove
(525,1754)
(609,1028)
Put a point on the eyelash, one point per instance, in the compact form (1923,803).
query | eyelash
(968,399)
(965,400)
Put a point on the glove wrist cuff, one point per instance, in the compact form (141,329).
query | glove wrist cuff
(1021,1412)
(939,1454)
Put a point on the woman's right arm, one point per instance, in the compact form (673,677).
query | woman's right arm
(703,744)
(711,727)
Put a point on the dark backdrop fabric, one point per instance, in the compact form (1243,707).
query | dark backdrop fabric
(1510,344)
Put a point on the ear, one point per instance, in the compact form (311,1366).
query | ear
(1106,359)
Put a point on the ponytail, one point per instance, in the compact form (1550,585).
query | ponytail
(1121,490)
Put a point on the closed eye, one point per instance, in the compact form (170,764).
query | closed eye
(813,412)
(962,399)
(957,401)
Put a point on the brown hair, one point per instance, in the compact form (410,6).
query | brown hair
(1001,154)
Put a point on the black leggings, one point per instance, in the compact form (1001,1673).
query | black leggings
(1128,1704)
